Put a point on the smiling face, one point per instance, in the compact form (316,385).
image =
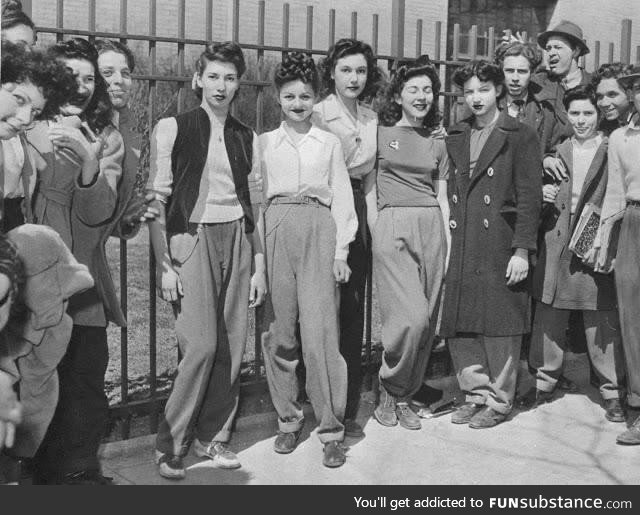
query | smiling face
(19,105)
(612,99)
(416,99)
(350,76)
(296,99)
(219,82)
(85,75)
(115,71)
(481,97)
(517,73)
(583,117)
(634,94)
(560,56)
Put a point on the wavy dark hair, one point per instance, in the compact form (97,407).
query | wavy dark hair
(530,51)
(297,66)
(106,45)
(484,70)
(226,52)
(343,48)
(13,15)
(390,112)
(610,71)
(23,64)
(581,92)
(98,113)
(11,265)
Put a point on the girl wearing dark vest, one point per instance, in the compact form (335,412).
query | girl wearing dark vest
(309,223)
(349,75)
(409,236)
(495,196)
(202,163)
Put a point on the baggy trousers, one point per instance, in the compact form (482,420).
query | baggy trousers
(487,368)
(627,277)
(211,328)
(352,299)
(409,252)
(549,342)
(80,420)
(300,241)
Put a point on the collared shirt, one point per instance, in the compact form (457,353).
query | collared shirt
(217,199)
(515,108)
(313,167)
(572,80)
(357,135)
(583,154)
(624,168)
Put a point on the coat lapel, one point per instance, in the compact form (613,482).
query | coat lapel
(458,146)
(493,145)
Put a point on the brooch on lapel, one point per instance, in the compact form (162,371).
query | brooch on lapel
(394,144)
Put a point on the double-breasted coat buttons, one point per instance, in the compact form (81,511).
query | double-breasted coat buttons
(485,222)
(490,171)
(453,224)
(487,200)
(454,198)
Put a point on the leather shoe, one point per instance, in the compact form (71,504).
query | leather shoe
(486,418)
(385,411)
(334,454)
(534,398)
(87,477)
(613,410)
(286,442)
(567,385)
(632,435)
(352,428)
(407,417)
(465,412)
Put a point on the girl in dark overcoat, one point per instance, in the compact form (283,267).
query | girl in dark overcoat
(561,281)
(495,192)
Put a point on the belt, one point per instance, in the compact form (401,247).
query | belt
(634,203)
(296,199)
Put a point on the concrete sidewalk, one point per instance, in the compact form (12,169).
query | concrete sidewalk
(565,442)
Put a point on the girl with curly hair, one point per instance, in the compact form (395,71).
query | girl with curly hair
(202,164)
(350,75)
(79,160)
(409,235)
(308,224)
(33,88)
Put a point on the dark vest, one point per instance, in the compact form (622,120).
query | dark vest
(188,159)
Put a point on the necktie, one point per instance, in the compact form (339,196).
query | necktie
(520,106)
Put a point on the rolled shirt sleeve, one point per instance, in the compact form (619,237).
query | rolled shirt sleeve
(162,140)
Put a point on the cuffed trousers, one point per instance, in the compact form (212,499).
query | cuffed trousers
(409,252)
(211,327)
(627,276)
(487,369)
(300,241)
(549,343)
(352,295)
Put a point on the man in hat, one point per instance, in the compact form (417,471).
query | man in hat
(623,194)
(563,46)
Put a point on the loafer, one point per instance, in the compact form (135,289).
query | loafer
(631,436)
(333,454)
(352,428)
(286,442)
(534,398)
(486,418)
(567,385)
(465,412)
(218,452)
(385,411)
(170,466)
(613,410)
(407,417)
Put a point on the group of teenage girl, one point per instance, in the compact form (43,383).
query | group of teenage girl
(469,228)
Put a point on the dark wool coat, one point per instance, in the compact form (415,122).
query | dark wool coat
(559,278)
(492,213)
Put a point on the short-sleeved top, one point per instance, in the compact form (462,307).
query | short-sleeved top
(410,161)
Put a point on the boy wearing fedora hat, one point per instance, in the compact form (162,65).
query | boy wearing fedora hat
(623,194)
